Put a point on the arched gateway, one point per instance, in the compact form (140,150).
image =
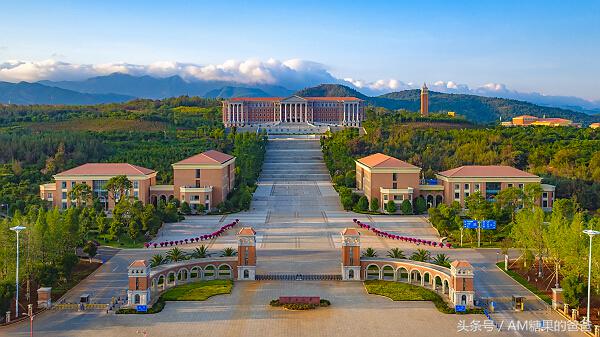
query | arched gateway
(145,283)
(455,282)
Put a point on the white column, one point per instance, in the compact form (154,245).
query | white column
(355,114)
(242,112)
(345,109)
(280,113)
(285,112)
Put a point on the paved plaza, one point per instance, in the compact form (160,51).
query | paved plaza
(298,219)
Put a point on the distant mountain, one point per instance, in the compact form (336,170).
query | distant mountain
(36,93)
(476,108)
(156,88)
(231,92)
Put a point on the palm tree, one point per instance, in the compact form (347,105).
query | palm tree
(396,253)
(442,260)
(200,252)
(421,255)
(176,255)
(157,260)
(229,252)
(118,186)
(369,252)
(80,193)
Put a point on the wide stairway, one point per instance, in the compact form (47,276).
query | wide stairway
(295,179)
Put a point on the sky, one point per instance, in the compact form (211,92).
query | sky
(548,47)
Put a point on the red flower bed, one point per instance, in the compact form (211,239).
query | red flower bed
(384,234)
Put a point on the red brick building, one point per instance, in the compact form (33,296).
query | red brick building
(242,111)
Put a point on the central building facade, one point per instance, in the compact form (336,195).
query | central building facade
(341,111)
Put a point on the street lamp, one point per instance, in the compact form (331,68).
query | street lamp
(591,234)
(17,229)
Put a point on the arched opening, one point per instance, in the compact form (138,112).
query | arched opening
(388,273)
(427,279)
(463,300)
(446,287)
(195,272)
(171,197)
(209,272)
(430,201)
(136,299)
(163,198)
(246,273)
(154,200)
(171,278)
(351,274)
(402,274)
(182,275)
(372,272)
(415,276)
(438,285)
(439,200)
(224,271)
(161,282)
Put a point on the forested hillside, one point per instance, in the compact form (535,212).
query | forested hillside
(475,108)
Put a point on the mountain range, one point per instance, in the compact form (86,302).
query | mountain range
(120,87)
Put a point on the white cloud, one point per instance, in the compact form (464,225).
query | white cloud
(291,74)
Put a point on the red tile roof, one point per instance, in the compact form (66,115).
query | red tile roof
(247,231)
(139,263)
(491,171)
(350,231)
(382,160)
(208,157)
(107,169)
(275,99)
(462,264)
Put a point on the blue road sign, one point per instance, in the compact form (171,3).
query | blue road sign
(460,308)
(488,224)
(141,308)
(471,224)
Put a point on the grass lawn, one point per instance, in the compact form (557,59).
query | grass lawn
(399,291)
(525,283)
(123,242)
(198,291)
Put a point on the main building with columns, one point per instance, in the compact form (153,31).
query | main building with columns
(343,111)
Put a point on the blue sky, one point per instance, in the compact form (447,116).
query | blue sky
(552,47)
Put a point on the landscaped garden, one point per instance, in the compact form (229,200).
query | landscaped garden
(299,306)
(196,291)
(398,291)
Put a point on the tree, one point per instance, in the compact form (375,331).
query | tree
(390,207)
(118,186)
(68,262)
(478,207)
(374,204)
(396,253)
(406,207)
(421,255)
(81,193)
(531,194)
(245,198)
(228,251)
(510,198)
(528,232)
(7,290)
(90,249)
(573,290)
(200,252)
(185,208)
(157,260)
(176,255)
(442,260)
(420,205)
(363,204)
(200,208)
(369,252)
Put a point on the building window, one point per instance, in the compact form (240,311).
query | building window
(477,187)
(457,186)
(394,176)
(206,197)
(394,186)
(385,197)
(521,186)
(509,185)
(73,184)
(136,184)
(63,184)
(491,190)
(64,205)
(135,194)
(49,195)
(64,195)
(457,196)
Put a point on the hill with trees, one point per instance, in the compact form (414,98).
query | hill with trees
(475,108)
(36,93)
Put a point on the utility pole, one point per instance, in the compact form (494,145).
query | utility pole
(17,229)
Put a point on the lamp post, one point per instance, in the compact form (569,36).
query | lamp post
(591,233)
(17,229)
